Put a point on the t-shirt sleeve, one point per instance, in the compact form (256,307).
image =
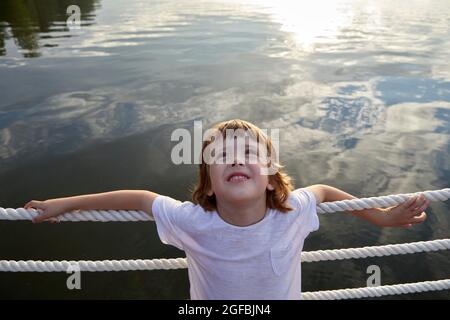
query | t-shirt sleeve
(307,210)
(168,214)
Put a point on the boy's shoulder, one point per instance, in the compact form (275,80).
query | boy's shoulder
(179,207)
(174,203)
(299,192)
(301,199)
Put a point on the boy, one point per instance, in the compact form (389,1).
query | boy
(244,231)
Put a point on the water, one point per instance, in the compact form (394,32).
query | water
(359,89)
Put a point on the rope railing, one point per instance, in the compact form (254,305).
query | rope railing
(378,291)
(312,256)
(78,215)
(180,263)
(92,266)
(133,215)
(376,251)
(380,202)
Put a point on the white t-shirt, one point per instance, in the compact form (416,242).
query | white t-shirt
(256,262)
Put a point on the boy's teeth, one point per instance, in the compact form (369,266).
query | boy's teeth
(238,178)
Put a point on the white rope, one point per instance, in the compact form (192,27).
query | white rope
(379,291)
(78,215)
(380,202)
(180,263)
(313,256)
(376,251)
(127,265)
(92,266)
(131,215)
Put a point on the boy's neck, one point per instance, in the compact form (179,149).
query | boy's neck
(243,214)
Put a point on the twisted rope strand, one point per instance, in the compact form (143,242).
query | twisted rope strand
(380,202)
(92,266)
(376,251)
(133,215)
(180,263)
(78,215)
(379,291)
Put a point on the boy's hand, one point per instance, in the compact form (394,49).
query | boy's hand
(48,209)
(406,214)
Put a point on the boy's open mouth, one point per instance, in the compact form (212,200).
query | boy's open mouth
(237,177)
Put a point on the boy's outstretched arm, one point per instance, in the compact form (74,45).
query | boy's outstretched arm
(402,215)
(140,200)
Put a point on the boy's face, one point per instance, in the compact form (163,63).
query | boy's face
(237,177)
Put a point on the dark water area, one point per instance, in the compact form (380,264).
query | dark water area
(360,91)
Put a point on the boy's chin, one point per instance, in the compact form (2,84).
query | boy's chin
(242,197)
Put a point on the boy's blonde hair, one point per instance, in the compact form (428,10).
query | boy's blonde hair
(282,183)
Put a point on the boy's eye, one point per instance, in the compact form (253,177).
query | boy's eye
(248,152)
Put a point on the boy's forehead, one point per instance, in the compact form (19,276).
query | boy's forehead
(249,139)
(235,134)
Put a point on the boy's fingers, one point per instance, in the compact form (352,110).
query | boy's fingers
(29,204)
(41,218)
(409,202)
(421,202)
(415,201)
(34,204)
(418,210)
(54,220)
(421,206)
(419,219)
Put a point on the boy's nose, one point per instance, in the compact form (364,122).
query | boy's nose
(238,160)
